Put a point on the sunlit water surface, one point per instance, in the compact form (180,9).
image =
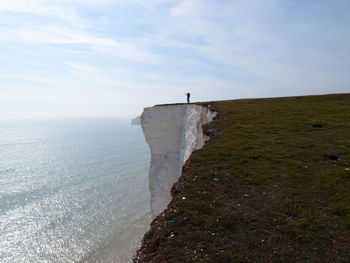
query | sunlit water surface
(72,190)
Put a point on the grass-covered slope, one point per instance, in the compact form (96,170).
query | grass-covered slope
(272,185)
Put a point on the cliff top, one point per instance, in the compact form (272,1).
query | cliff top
(176,104)
(272,185)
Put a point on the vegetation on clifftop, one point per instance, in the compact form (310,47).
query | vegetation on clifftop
(272,185)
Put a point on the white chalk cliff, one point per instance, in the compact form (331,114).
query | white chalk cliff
(172,132)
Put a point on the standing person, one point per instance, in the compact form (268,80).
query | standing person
(188,97)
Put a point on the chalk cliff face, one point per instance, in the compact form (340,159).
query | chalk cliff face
(172,132)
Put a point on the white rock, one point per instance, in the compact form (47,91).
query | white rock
(172,132)
(136,121)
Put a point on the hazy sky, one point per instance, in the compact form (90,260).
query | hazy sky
(113,57)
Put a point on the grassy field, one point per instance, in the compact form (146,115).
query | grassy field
(271,185)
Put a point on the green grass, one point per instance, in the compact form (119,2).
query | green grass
(266,188)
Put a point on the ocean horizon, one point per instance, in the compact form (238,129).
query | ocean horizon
(72,190)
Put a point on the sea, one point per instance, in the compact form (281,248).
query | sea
(72,190)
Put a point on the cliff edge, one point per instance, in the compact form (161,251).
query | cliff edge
(271,185)
(172,132)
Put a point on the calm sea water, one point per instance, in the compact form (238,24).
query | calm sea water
(72,190)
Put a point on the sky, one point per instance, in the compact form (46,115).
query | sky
(112,58)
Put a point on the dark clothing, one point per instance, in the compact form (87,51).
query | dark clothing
(188,97)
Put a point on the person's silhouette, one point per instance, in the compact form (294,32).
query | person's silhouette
(188,97)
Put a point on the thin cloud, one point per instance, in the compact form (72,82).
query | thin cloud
(153,51)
